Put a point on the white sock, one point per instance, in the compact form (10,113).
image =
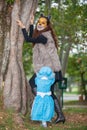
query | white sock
(44,124)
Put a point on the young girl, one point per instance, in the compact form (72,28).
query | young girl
(44,54)
(43,105)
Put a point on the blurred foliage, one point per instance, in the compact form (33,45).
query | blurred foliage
(77,68)
(77,64)
(10,1)
(27,58)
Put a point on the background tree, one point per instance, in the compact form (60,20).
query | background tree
(77,68)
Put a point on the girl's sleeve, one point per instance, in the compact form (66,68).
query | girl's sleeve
(40,39)
(31,31)
(58,76)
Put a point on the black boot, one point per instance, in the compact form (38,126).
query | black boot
(58,110)
(33,85)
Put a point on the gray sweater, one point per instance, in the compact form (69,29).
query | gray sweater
(46,54)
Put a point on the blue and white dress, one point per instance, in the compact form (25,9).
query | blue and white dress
(43,105)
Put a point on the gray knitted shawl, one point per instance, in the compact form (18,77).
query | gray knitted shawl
(46,54)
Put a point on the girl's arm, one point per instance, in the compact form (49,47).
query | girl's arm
(23,27)
(39,39)
(31,25)
(31,30)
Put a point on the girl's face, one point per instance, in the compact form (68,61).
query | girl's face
(41,24)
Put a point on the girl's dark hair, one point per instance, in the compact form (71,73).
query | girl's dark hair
(48,28)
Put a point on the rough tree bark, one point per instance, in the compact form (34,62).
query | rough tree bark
(1,37)
(4,29)
(16,89)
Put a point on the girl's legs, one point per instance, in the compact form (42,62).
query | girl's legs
(44,124)
(32,84)
(58,109)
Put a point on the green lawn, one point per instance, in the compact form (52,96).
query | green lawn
(75,103)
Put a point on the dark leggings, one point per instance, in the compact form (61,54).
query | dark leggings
(34,87)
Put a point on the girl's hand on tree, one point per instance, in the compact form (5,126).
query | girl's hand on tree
(32,19)
(20,24)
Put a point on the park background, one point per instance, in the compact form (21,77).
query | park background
(69,20)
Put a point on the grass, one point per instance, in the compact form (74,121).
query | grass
(75,103)
(76,110)
(75,120)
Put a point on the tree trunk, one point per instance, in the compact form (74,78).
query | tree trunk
(83,85)
(3,29)
(65,58)
(16,89)
(47,7)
